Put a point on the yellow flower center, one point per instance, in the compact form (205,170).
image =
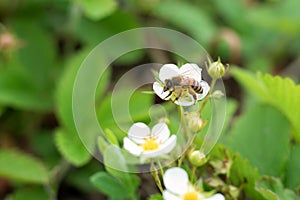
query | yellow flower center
(191,196)
(150,144)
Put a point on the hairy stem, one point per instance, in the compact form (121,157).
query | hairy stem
(193,173)
(186,132)
(156,176)
(57,174)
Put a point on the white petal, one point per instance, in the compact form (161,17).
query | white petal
(138,132)
(152,153)
(169,144)
(162,149)
(191,70)
(161,132)
(131,147)
(169,196)
(216,197)
(206,89)
(168,71)
(159,91)
(185,101)
(176,180)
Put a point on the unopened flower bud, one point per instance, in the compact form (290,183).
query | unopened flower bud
(7,41)
(217,94)
(197,158)
(216,69)
(195,122)
(165,120)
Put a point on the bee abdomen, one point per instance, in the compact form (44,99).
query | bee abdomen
(197,87)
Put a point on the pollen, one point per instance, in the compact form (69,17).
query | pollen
(150,144)
(191,196)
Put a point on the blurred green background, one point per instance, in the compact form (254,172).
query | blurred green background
(42,44)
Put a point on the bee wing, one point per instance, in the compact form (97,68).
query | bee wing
(191,70)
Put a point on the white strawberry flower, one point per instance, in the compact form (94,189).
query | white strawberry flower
(178,187)
(189,70)
(142,142)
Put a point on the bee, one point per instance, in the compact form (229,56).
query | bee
(184,86)
(180,86)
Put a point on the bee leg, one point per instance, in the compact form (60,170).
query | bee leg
(178,93)
(193,93)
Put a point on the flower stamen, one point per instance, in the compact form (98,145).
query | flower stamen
(150,144)
(193,195)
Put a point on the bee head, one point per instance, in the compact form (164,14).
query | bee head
(168,85)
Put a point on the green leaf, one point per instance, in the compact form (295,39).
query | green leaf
(79,177)
(286,20)
(116,165)
(39,69)
(138,106)
(28,80)
(113,159)
(282,93)
(98,9)
(106,28)
(111,137)
(188,17)
(65,89)
(268,194)
(231,107)
(240,171)
(101,30)
(43,145)
(22,167)
(249,81)
(71,147)
(292,168)
(232,12)
(102,144)
(272,189)
(19,91)
(262,135)
(110,185)
(29,194)
(68,141)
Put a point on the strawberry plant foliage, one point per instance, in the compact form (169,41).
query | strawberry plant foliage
(281,93)
(19,166)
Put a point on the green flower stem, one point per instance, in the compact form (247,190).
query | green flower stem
(160,168)
(50,191)
(190,141)
(156,176)
(193,173)
(212,85)
(57,175)
(185,132)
